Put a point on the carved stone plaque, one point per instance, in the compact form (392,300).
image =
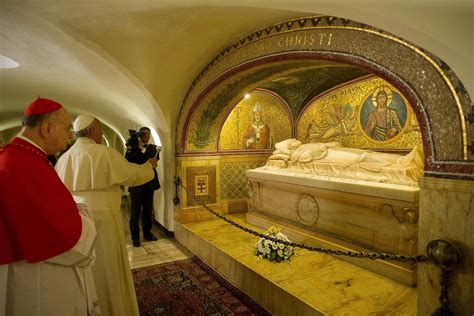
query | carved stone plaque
(307,209)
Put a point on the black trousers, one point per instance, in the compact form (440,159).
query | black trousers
(142,204)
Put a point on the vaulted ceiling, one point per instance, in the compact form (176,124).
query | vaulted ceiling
(131,62)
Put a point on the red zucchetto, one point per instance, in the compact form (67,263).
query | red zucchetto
(42,106)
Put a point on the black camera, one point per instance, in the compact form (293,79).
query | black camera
(152,151)
(133,143)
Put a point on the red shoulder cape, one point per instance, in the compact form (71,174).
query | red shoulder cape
(38,216)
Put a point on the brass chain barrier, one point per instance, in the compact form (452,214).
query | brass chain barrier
(329,251)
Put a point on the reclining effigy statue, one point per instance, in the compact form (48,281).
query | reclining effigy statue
(334,160)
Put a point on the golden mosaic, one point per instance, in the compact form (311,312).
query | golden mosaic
(202,182)
(207,119)
(234,180)
(256,122)
(426,81)
(348,115)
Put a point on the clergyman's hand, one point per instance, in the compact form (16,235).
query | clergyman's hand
(153,162)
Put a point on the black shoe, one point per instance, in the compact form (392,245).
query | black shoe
(150,237)
(136,243)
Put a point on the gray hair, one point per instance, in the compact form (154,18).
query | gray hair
(34,120)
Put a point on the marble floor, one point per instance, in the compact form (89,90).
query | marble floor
(165,249)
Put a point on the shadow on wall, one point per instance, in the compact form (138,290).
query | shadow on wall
(7,134)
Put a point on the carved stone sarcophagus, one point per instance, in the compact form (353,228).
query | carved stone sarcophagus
(339,213)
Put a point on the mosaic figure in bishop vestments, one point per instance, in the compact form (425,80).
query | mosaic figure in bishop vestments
(257,135)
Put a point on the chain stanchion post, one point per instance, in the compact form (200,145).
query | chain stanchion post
(443,297)
(447,256)
(177,183)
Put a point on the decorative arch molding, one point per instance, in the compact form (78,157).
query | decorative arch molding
(439,99)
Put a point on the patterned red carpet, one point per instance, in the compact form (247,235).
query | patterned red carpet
(189,287)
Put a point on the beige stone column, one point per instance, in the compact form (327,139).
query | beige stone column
(446,212)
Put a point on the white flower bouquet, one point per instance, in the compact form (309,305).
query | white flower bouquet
(272,250)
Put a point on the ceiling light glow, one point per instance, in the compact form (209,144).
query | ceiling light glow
(7,63)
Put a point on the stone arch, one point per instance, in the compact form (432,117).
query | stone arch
(439,99)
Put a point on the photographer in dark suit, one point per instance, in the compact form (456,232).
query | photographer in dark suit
(139,151)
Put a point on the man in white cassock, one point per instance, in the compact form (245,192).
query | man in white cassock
(95,172)
(46,240)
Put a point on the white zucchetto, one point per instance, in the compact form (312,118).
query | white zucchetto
(82,121)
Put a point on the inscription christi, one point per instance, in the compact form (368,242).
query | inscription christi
(323,39)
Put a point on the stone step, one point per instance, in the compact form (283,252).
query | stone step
(311,284)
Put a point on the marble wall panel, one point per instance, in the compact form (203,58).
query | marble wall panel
(447,212)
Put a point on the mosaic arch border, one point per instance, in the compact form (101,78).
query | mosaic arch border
(439,99)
